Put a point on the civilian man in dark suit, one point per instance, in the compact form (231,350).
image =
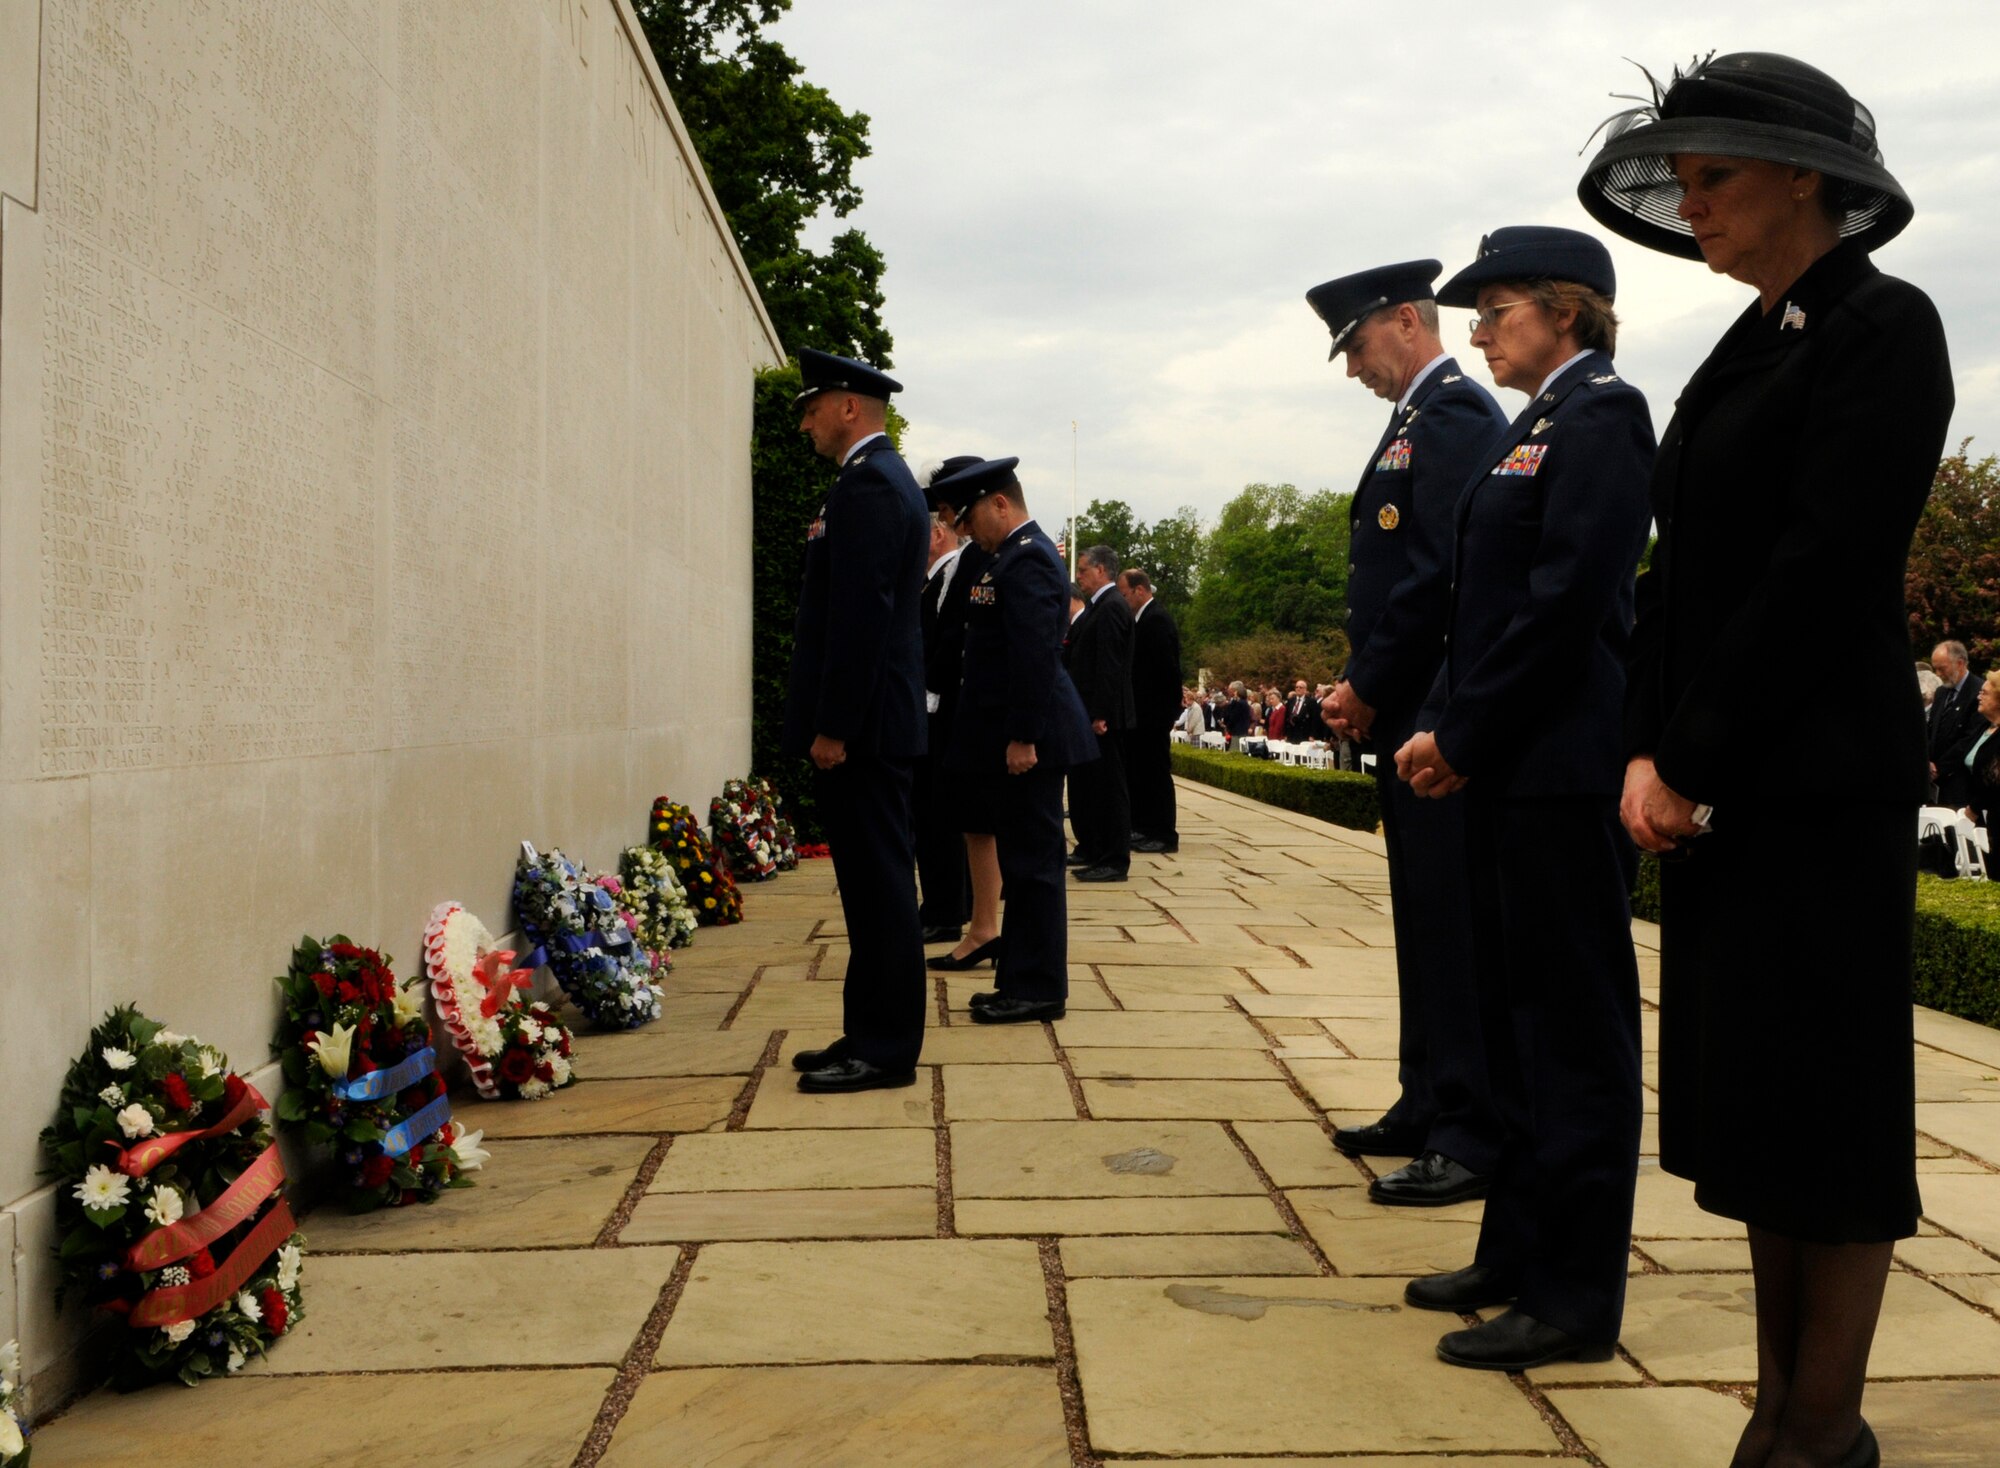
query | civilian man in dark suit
(941,855)
(1156,707)
(1303,717)
(1100,664)
(855,706)
(1955,723)
(1385,322)
(1020,726)
(1235,714)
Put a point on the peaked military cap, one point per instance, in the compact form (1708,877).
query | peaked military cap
(944,471)
(971,484)
(1750,104)
(1533,252)
(824,372)
(1343,303)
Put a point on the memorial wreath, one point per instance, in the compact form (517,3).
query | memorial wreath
(745,833)
(361,1076)
(515,1048)
(652,894)
(712,892)
(170,1207)
(14,1451)
(786,838)
(578,931)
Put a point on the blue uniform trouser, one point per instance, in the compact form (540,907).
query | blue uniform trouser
(1034,928)
(864,804)
(1559,998)
(1441,1049)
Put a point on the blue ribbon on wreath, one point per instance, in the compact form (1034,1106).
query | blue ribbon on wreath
(379,1083)
(413,1129)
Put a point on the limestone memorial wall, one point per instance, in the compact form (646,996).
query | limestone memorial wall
(375,412)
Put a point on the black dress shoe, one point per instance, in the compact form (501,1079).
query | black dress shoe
(945,963)
(1866,1452)
(1079,859)
(1517,1341)
(1463,1290)
(943,933)
(1432,1181)
(1379,1139)
(1148,845)
(1005,1011)
(851,1073)
(1102,874)
(820,1059)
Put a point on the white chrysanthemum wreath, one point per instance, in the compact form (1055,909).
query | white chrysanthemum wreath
(515,1049)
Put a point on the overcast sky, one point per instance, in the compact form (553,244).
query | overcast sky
(1109,211)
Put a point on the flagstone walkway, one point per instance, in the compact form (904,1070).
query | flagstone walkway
(1123,1236)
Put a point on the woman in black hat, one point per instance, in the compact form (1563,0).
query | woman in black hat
(1788,484)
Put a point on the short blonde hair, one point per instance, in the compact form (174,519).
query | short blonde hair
(1596,323)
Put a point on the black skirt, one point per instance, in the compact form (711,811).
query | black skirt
(1787,1072)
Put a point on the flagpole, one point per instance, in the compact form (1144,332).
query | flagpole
(1072,499)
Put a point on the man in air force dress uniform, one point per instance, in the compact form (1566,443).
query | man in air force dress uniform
(855,707)
(1385,322)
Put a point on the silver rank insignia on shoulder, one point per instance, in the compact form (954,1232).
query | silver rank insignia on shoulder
(1605,377)
(1540,425)
(1793,317)
(1388,517)
(1548,397)
(1455,377)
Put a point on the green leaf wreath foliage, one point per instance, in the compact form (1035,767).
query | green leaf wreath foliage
(138,1081)
(652,893)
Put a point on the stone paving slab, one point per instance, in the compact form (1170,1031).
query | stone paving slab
(765,1304)
(1270,1100)
(486,1419)
(417,1313)
(1285,1366)
(891,1157)
(780,1103)
(1007,1093)
(531,1194)
(1036,1217)
(651,1106)
(816,1213)
(1096,1159)
(658,1051)
(845,1417)
(1177,1255)
(1667,1427)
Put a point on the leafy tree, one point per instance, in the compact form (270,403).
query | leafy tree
(1112,523)
(1953,581)
(1171,554)
(1269,659)
(777,150)
(1276,559)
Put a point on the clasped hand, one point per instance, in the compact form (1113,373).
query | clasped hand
(1345,713)
(1656,816)
(1421,765)
(1020,757)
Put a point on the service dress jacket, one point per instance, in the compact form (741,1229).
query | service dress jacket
(1156,668)
(1789,484)
(1401,526)
(944,617)
(1100,660)
(1548,534)
(857,669)
(1014,689)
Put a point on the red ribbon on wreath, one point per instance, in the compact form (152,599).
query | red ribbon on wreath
(499,985)
(238,1201)
(149,1154)
(186,1302)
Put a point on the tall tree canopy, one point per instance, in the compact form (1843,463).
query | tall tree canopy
(778,150)
(1953,582)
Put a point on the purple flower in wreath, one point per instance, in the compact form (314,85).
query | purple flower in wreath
(108,1270)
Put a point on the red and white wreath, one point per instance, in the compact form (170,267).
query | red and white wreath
(515,1049)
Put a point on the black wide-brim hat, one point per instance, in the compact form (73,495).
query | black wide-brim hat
(1750,104)
(967,486)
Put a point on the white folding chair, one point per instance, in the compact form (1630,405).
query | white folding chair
(1971,848)
(1367,761)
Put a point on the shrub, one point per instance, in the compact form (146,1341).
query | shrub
(1342,797)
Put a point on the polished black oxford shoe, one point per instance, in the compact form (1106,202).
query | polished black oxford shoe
(1079,859)
(1517,1341)
(943,933)
(1102,874)
(1001,1010)
(1153,846)
(1474,1287)
(820,1059)
(850,1073)
(1379,1139)
(1432,1181)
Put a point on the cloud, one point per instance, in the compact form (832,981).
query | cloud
(1108,212)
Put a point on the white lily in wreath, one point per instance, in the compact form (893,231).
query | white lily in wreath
(334,1050)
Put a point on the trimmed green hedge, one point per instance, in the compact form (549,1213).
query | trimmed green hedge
(1343,797)
(1957,957)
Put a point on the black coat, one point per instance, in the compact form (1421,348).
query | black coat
(1529,697)
(1788,486)
(1156,668)
(1100,660)
(1303,719)
(857,648)
(944,627)
(1982,781)
(1236,717)
(1953,725)
(1014,688)
(1402,523)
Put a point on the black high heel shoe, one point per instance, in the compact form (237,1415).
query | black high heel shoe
(990,949)
(1866,1452)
